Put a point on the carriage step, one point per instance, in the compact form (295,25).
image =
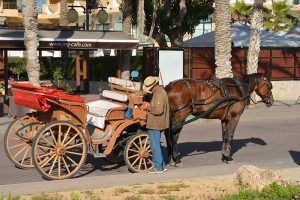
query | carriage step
(99,155)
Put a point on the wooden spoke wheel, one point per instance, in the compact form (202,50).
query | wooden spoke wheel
(59,150)
(137,153)
(18,140)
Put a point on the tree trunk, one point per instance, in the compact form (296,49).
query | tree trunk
(154,16)
(167,7)
(94,16)
(31,42)
(223,39)
(63,21)
(140,19)
(126,54)
(1,6)
(160,39)
(94,19)
(255,37)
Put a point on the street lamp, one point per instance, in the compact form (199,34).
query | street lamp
(72,14)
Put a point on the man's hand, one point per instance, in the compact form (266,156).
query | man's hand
(145,106)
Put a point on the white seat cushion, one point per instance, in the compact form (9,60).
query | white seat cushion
(125,83)
(114,95)
(97,111)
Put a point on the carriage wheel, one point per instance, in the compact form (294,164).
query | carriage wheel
(59,150)
(137,153)
(18,140)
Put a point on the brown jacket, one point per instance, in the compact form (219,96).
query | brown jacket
(159,110)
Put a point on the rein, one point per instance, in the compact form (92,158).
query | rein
(221,86)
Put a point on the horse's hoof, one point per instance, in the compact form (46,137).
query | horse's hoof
(178,165)
(172,164)
(227,160)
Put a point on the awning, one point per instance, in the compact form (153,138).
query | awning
(68,39)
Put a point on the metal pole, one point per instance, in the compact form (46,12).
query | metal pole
(87,23)
(86,77)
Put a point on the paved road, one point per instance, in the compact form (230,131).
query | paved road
(265,137)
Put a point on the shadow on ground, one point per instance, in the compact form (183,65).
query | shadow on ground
(196,148)
(296,156)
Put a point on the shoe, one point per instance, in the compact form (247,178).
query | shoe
(164,170)
(156,171)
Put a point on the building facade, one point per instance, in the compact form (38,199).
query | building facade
(49,10)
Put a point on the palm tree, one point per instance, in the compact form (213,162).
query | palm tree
(126,54)
(223,39)
(140,19)
(30,22)
(1,6)
(63,21)
(154,16)
(255,37)
(241,12)
(279,17)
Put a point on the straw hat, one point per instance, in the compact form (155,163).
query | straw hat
(150,82)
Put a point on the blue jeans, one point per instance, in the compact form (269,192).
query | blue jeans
(157,156)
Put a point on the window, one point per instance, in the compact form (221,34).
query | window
(204,26)
(102,27)
(10,4)
(117,26)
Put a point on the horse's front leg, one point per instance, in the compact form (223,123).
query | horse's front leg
(228,128)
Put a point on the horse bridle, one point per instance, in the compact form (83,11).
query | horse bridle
(266,98)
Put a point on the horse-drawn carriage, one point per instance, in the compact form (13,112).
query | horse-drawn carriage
(56,137)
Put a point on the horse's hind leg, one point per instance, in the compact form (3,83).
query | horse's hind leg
(175,155)
(228,128)
(169,141)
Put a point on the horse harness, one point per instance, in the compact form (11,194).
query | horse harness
(214,86)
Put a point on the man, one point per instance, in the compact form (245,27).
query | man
(157,120)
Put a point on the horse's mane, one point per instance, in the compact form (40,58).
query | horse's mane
(252,78)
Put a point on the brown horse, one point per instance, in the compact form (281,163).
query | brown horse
(223,99)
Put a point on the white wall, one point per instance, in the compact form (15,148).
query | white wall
(286,90)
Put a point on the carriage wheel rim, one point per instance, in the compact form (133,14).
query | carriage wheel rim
(138,154)
(54,150)
(18,149)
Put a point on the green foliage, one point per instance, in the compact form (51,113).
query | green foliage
(168,25)
(103,67)
(45,196)
(171,197)
(279,18)
(146,191)
(273,191)
(89,194)
(58,74)
(57,67)
(175,187)
(74,196)
(241,12)
(17,66)
(138,197)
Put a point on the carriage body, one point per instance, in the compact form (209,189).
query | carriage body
(56,137)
